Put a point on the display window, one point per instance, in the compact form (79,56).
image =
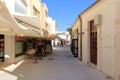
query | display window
(19,46)
(2,48)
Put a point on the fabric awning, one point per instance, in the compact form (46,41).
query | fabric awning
(29,22)
(9,26)
(52,36)
(30,32)
(6,26)
(45,33)
(32,21)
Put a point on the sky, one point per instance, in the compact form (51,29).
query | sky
(65,12)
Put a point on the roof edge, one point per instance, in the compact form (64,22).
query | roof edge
(97,1)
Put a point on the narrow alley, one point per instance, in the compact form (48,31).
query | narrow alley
(61,65)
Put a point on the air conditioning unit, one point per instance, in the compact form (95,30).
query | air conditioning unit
(98,20)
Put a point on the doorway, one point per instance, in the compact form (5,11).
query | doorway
(93,43)
(74,47)
(1,48)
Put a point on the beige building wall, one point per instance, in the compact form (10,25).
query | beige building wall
(76,26)
(106,55)
(44,14)
(10,48)
(117,40)
(48,23)
(35,4)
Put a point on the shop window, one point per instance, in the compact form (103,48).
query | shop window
(1,47)
(19,46)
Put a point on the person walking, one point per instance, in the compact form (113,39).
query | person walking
(40,49)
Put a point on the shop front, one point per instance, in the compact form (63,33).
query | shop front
(14,42)
(2,48)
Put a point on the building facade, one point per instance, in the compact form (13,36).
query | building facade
(100,36)
(75,47)
(117,40)
(14,47)
(25,17)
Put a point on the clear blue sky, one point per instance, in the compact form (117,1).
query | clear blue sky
(65,12)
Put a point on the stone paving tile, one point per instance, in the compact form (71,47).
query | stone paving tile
(61,65)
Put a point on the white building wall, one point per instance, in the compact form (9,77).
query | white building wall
(53,28)
(52,24)
(106,33)
(10,5)
(74,28)
(28,8)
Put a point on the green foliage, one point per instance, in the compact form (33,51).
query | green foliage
(68,30)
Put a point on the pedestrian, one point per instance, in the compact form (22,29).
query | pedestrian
(57,44)
(48,49)
(40,49)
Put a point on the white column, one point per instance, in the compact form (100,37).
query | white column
(9,49)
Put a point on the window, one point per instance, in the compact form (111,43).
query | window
(20,7)
(35,12)
(46,25)
(18,46)
(46,13)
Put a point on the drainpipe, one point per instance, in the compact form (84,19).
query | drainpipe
(80,37)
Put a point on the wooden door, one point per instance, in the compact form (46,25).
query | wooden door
(93,43)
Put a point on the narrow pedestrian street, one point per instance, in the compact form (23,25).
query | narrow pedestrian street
(61,65)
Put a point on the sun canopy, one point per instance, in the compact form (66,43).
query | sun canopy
(9,26)
(6,20)
(45,33)
(29,22)
(32,21)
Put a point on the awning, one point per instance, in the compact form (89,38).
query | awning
(52,36)
(45,33)
(6,26)
(9,26)
(30,32)
(29,22)
(32,21)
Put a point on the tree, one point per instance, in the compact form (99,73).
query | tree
(68,30)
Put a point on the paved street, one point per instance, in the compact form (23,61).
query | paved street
(61,65)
